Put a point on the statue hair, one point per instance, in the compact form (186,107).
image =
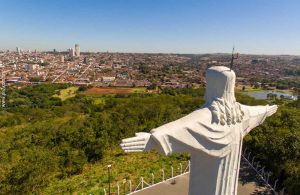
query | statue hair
(224,112)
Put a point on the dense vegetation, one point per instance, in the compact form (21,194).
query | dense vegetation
(292,72)
(276,143)
(278,84)
(47,143)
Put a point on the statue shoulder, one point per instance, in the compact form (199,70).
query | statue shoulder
(201,115)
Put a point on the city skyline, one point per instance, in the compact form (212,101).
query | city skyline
(256,27)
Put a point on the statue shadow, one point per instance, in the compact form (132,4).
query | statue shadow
(247,176)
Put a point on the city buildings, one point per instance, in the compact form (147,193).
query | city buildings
(132,69)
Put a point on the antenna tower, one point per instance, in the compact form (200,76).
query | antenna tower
(233,58)
(3,89)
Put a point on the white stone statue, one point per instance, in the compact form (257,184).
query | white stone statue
(212,134)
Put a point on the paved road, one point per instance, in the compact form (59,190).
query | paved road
(248,185)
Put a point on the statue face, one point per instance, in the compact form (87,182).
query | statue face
(220,83)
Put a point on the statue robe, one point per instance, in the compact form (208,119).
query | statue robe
(215,149)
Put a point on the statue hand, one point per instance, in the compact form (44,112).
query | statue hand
(271,110)
(141,142)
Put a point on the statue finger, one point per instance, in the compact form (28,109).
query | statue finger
(133,148)
(133,139)
(274,107)
(138,143)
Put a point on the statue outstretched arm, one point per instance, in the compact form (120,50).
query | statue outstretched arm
(256,115)
(192,133)
(157,139)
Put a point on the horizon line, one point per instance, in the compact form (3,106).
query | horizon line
(172,53)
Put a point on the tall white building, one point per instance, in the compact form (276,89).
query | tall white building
(62,59)
(71,52)
(77,50)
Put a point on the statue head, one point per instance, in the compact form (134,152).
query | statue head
(219,95)
(220,82)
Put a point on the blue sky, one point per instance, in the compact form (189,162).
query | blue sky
(171,26)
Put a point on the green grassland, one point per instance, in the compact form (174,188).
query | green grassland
(252,89)
(99,101)
(67,93)
(139,90)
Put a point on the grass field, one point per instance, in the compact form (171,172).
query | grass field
(67,93)
(98,101)
(251,89)
(110,90)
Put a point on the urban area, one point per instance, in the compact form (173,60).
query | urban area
(106,69)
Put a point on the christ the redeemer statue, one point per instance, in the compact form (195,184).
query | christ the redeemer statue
(212,134)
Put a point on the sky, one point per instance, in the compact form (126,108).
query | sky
(152,26)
